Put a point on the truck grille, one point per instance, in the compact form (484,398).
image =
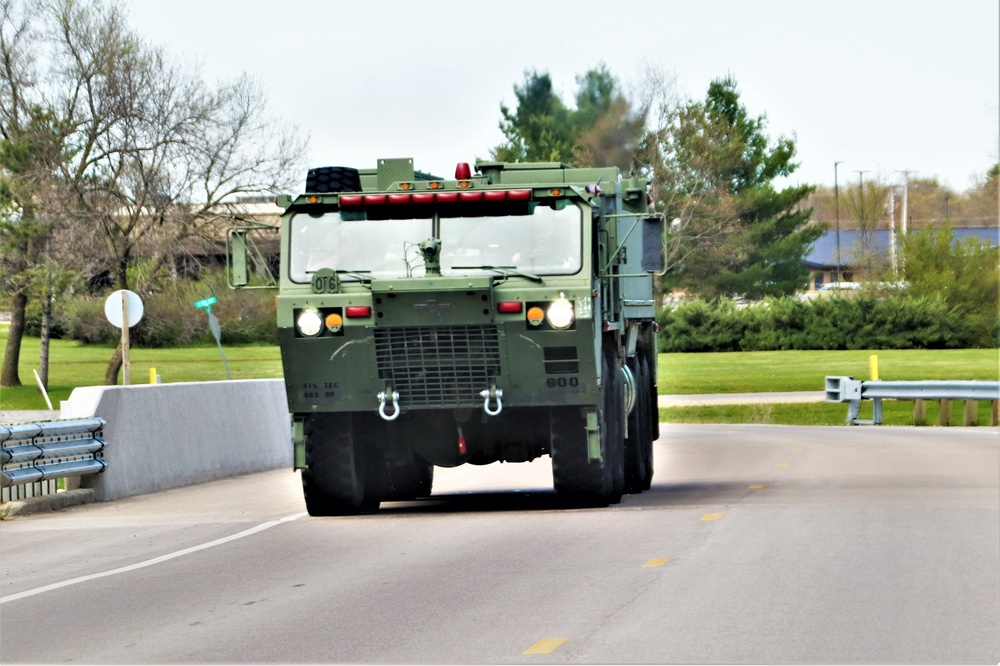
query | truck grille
(443,366)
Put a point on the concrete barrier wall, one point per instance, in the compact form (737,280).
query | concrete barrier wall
(162,436)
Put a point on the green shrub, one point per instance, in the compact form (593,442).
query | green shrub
(169,316)
(894,321)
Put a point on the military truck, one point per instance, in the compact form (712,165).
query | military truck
(503,315)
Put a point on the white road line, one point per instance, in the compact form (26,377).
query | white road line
(149,563)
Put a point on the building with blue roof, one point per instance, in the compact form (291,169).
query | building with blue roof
(822,259)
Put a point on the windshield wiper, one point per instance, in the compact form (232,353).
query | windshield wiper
(506,271)
(360,275)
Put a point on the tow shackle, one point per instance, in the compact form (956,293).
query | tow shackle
(496,393)
(382,396)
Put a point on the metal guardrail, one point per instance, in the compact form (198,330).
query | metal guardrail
(853,391)
(36,452)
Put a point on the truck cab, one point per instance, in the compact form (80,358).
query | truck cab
(502,315)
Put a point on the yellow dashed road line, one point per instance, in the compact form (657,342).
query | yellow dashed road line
(655,562)
(545,646)
(712,516)
(756,486)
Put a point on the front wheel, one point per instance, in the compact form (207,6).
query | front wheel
(574,474)
(338,479)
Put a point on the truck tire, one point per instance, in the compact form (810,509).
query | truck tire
(651,416)
(616,428)
(408,481)
(334,481)
(333,179)
(639,446)
(587,482)
(638,432)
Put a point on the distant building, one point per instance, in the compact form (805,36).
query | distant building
(822,260)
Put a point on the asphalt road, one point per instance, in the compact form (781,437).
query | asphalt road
(756,544)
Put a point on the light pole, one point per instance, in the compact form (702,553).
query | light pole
(836,208)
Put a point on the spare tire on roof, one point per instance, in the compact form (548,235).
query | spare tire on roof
(333,179)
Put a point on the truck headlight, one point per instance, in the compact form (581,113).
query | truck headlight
(560,313)
(309,323)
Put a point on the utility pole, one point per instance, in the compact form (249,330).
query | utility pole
(906,190)
(836,208)
(892,227)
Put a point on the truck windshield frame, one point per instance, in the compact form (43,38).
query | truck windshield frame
(548,241)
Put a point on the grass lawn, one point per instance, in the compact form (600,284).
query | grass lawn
(755,372)
(894,412)
(73,364)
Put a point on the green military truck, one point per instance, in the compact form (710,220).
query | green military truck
(503,315)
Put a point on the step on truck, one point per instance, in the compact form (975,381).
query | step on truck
(503,315)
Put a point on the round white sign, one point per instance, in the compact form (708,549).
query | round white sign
(113,308)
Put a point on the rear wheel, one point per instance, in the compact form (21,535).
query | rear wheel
(638,433)
(408,481)
(650,417)
(340,477)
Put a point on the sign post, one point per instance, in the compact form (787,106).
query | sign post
(213,325)
(124,309)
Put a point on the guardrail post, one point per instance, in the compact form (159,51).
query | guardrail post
(919,412)
(971,414)
(944,412)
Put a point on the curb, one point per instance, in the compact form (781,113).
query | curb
(55,502)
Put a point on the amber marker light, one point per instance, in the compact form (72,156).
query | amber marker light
(314,199)
(405,186)
(334,322)
(434,185)
(535,315)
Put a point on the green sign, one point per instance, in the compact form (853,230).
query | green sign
(206,303)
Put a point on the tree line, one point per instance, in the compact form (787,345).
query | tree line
(110,149)
(115,159)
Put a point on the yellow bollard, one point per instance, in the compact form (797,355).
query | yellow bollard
(152,375)
(873,365)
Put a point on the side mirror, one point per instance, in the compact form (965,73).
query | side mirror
(653,245)
(236,258)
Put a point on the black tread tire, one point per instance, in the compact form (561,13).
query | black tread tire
(638,434)
(408,482)
(574,475)
(650,415)
(333,179)
(616,434)
(334,481)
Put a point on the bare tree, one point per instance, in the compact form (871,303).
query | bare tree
(152,155)
(866,204)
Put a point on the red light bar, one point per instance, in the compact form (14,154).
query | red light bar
(423,197)
(446,197)
(495,195)
(399,198)
(375,199)
(350,200)
(510,307)
(519,195)
(357,311)
(473,195)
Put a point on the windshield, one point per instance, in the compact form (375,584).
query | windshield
(545,242)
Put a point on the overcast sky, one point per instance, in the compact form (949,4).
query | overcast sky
(880,85)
